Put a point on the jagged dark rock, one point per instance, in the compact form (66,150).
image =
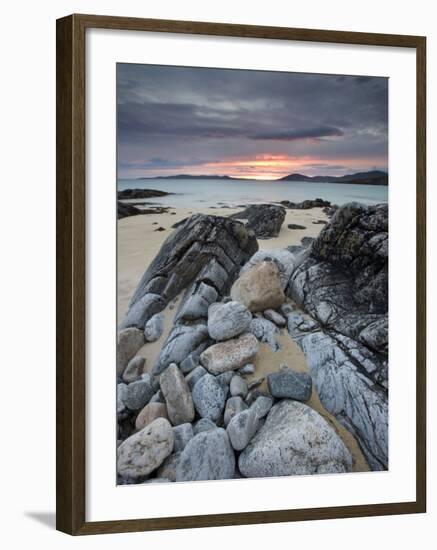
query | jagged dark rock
(306,205)
(342,285)
(141,193)
(204,250)
(264,219)
(124,210)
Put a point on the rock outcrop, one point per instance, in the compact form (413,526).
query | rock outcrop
(264,219)
(342,287)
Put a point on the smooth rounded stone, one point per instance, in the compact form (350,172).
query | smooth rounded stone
(139,313)
(149,413)
(262,405)
(241,428)
(177,395)
(182,435)
(208,455)
(121,395)
(230,355)
(259,288)
(209,397)
(134,369)
(154,328)
(144,451)
(129,341)
(288,384)
(157,397)
(181,341)
(247,369)
(284,260)
(195,375)
(294,440)
(203,425)
(238,387)
(167,470)
(253,395)
(138,394)
(189,363)
(295,226)
(234,405)
(224,379)
(275,317)
(265,331)
(228,320)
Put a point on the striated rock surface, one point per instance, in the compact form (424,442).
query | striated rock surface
(230,355)
(204,249)
(294,440)
(143,452)
(342,288)
(259,287)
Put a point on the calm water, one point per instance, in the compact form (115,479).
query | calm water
(233,193)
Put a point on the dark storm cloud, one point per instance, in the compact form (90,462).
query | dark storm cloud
(180,114)
(292,135)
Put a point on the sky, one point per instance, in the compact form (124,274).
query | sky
(250,124)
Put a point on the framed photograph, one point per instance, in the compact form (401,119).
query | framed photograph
(240,274)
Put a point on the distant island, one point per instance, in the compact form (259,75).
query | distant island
(373,177)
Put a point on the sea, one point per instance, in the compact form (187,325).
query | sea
(211,192)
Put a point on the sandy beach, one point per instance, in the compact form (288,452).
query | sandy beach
(138,243)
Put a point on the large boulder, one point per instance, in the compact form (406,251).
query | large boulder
(228,320)
(264,219)
(180,407)
(208,455)
(294,440)
(284,260)
(146,450)
(259,288)
(230,355)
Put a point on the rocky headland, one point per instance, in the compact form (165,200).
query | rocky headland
(213,401)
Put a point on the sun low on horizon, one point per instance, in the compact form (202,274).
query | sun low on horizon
(254,125)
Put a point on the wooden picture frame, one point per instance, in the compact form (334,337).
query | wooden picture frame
(71,248)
